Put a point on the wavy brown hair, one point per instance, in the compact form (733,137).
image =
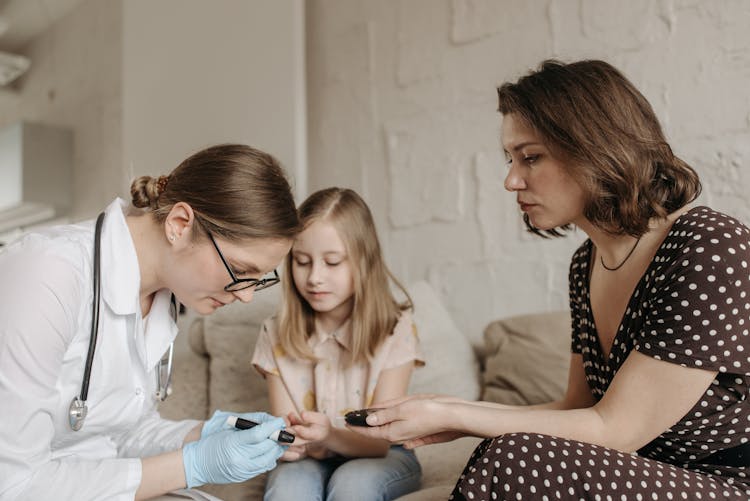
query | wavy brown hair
(235,191)
(375,310)
(607,135)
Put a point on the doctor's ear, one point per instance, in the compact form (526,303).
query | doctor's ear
(180,223)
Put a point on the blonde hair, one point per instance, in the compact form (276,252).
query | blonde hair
(235,191)
(375,311)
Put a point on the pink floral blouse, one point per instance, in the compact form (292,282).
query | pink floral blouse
(331,385)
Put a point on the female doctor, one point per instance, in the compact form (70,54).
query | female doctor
(76,426)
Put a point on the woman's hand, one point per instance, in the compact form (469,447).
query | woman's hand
(414,421)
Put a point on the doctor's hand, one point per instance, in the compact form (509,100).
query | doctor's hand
(218,421)
(232,455)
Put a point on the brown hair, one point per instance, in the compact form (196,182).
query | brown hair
(610,139)
(375,311)
(235,191)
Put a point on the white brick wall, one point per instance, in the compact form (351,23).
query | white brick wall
(402,106)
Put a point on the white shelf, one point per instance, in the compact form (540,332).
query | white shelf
(23,215)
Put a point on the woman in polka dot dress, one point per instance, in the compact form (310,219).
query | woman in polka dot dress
(656,406)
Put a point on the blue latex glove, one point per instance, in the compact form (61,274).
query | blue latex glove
(232,455)
(218,421)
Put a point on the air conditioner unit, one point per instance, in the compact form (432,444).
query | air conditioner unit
(12,66)
(36,168)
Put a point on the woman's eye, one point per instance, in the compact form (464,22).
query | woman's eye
(530,159)
(332,263)
(299,262)
(238,272)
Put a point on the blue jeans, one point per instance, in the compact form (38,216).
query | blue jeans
(335,479)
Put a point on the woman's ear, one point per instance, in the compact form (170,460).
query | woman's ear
(180,223)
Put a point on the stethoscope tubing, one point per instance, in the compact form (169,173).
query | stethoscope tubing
(78,409)
(95,308)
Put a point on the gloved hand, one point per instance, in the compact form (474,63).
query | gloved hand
(218,421)
(232,455)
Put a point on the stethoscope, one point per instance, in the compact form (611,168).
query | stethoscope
(78,408)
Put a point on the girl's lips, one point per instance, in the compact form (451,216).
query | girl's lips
(216,303)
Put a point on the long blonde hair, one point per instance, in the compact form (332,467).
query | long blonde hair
(375,311)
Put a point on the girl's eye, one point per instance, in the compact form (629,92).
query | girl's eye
(300,262)
(333,263)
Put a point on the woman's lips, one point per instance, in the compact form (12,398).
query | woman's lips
(526,207)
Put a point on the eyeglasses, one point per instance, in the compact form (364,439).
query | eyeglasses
(238,284)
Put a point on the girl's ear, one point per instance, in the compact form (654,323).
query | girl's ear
(180,223)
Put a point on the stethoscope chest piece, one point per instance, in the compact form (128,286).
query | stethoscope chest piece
(77,413)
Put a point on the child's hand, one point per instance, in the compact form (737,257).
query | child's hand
(294,453)
(292,419)
(319,451)
(312,427)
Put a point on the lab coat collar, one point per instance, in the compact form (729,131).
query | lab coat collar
(120,273)
(121,282)
(160,328)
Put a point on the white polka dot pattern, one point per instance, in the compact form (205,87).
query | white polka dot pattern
(540,467)
(690,308)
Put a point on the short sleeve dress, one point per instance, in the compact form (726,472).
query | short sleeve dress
(333,384)
(691,308)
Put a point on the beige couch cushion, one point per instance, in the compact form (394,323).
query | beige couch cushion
(228,338)
(451,365)
(527,358)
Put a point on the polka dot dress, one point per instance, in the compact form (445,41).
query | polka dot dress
(689,308)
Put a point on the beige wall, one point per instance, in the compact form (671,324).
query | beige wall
(197,73)
(144,83)
(402,108)
(75,81)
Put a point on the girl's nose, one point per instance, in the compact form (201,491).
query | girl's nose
(316,274)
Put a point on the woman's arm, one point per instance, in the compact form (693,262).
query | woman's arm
(161,474)
(646,397)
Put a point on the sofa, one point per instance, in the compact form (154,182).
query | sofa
(524,360)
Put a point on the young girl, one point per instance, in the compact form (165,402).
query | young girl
(341,342)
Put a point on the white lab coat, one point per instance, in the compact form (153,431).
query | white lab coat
(46,293)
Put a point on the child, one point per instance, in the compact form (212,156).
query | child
(341,342)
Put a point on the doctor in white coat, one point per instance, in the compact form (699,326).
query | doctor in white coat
(210,233)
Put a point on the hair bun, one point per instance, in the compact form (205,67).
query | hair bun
(145,191)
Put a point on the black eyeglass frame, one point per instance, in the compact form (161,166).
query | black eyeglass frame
(238,284)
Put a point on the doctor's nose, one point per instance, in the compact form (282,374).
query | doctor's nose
(513,180)
(245,295)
